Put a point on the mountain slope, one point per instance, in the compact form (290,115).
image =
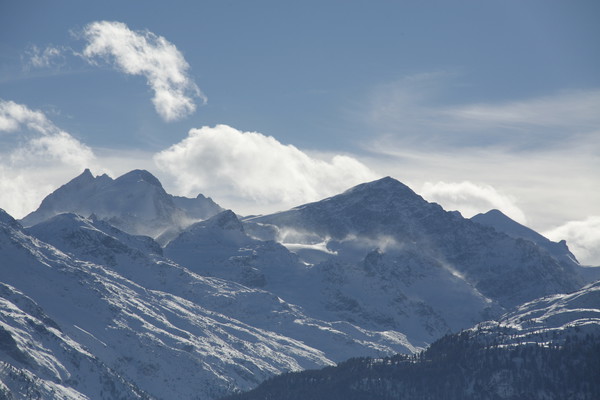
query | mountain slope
(170,347)
(98,242)
(551,316)
(37,360)
(394,291)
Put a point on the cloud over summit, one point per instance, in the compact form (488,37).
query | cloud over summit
(470,198)
(228,163)
(146,54)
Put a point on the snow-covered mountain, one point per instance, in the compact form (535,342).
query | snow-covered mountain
(38,360)
(213,303)
(134,202)
(387,215)
(559,250)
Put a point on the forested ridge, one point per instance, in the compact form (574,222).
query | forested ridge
(461,366)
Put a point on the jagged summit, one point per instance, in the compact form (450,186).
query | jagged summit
(86,174)
(378,191)
(135,202)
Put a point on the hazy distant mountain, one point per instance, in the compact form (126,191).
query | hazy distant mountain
(134,202)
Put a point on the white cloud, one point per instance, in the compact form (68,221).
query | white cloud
(149,55)
(583,239)
(471,199)
(242,167)
(35,157)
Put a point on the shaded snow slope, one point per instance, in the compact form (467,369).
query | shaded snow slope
(171,347)
(100,243)
(501,223)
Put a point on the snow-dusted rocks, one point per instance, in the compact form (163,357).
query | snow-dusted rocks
(38,360)
(169,346)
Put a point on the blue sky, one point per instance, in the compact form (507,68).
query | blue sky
(474,104)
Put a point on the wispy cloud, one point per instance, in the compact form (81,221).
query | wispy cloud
(412,112)
(572,110)
(146,54)
(35,157)
(49,57)
(583,238)
(251,168)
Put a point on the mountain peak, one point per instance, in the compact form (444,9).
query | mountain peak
(387,183)
(86,174)
(139,175)
(83,179)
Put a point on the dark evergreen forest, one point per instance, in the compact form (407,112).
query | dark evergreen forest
(457,367)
